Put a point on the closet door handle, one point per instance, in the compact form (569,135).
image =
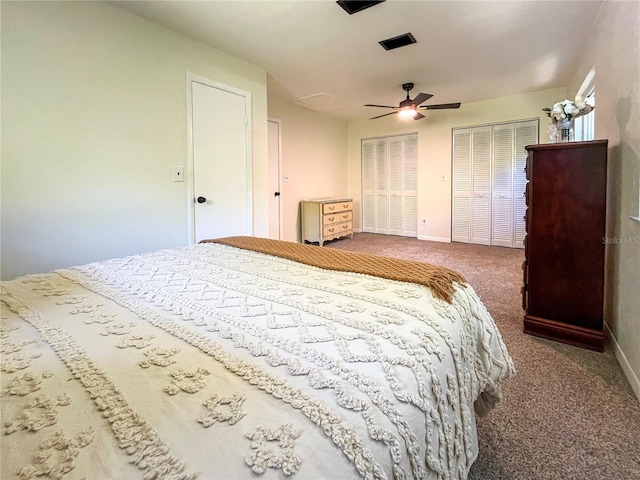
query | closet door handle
(201,199)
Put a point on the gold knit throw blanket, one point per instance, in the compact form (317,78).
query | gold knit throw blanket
(439,279)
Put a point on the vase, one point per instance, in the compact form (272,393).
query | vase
(565,131)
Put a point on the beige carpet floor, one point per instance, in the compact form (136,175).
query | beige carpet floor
(569,413)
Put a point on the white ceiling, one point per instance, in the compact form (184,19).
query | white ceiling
(465,51)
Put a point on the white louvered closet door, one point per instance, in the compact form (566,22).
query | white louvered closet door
(410,186)
(461,195)
(502,214)
(481,185)
(389,185)
(382,189)
(396,219)
(526,133)
(368,186)
(488,183)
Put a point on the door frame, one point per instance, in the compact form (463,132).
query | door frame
(190,174)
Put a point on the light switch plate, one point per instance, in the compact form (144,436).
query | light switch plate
(178,174)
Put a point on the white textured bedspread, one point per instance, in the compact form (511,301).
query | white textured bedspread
(214,362)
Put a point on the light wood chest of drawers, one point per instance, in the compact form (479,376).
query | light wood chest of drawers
(326,219)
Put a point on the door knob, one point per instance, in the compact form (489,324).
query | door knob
(201,200)
(276,194)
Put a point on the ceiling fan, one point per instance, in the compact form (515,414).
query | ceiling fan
(409,108)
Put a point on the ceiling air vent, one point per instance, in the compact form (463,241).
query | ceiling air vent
(354,6)
(397,42)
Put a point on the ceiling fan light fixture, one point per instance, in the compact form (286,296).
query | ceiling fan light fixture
(407,112)
(409,108)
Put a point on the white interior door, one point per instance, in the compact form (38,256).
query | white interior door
(481,185)
(382,190)
(526,134)
(410,186)
(389,185)
(395,222)
(502,192)
(220,160)
(489,181)
(461,186)
(275,158)
(368,186)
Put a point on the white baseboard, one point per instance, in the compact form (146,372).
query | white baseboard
(420,237)
(434,239)
(624,363)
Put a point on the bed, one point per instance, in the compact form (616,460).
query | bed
(246,358)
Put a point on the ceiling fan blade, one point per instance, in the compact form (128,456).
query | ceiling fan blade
(418,116)
(441,106)
(380,116)
(381,106)
(421,97)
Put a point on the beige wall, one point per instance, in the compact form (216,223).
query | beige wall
(614,51)
(93,120)
(314,158)
(434,149)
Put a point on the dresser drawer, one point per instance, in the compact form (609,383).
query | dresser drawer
(338,229)
(337,217)
(336,207)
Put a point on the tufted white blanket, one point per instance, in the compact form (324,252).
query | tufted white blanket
(214,362)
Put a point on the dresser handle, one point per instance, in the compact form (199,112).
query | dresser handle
(331,230)
(346,205)
(330,218)
(345,216)
(345,227)
(331,207)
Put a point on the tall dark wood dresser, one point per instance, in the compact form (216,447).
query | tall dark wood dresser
(563,292)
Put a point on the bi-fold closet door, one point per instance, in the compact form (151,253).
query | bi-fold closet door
(489,182)
(389,185)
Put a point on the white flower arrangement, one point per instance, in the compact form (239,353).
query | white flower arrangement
(567,110)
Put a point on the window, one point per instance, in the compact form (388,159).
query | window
(585,125)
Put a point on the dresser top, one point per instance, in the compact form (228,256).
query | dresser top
(568,145)
(328,200)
